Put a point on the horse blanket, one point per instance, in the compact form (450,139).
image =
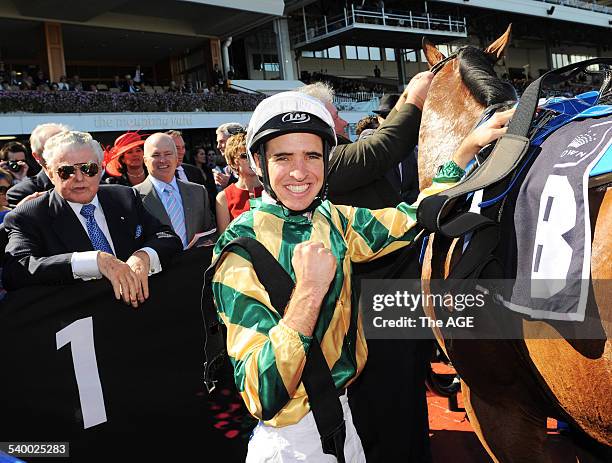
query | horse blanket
(551,217)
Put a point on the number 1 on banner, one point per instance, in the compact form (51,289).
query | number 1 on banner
(79,335)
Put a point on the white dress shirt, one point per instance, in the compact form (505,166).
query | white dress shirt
(85,264)
(181,173)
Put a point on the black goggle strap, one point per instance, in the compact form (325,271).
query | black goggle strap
(265,178)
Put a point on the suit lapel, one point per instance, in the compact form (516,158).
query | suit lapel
(67,225)
(187,174)
(153,203)
(118,226)
(394,178)
(43,180)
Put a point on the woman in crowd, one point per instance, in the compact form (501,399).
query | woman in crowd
(6,180)
(124,164)
(234,200)
(200,160)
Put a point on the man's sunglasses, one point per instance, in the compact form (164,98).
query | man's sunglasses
(87,168)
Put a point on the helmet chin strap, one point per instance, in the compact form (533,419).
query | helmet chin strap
(265,180)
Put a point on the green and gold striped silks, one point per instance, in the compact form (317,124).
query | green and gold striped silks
(267,355)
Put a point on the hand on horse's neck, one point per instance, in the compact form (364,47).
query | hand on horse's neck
(448,117)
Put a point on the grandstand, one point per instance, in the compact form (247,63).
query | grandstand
(200,61)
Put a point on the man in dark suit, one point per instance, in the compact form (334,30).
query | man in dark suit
(81,230)
(40,182)
(184,172)
(130,86)
(404,177)
(182,205)
(392,385)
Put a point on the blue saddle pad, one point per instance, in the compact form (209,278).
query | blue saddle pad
(580,107)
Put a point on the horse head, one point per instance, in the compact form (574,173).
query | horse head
(465,84)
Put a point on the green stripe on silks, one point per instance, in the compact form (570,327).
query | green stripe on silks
(239,371)
(373,232)
(243,226)
(333,294)
(348,359)
(306,341)
(336,239)
(272,393)
(325,209)
(242,253)
(343,221)
(252,311)
(408,210)
(293,234)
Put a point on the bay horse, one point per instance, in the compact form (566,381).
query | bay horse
(510,387)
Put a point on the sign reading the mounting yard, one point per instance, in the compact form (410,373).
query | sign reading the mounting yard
(23,123)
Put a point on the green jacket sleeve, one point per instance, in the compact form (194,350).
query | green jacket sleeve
(371,234)
(356,164)
(267,355)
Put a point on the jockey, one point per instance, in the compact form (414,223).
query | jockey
(289,141)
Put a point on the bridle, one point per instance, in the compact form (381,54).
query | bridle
(440,64)
(489,110)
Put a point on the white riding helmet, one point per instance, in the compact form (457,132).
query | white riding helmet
(289,112)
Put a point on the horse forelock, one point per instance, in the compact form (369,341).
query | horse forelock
(478,75)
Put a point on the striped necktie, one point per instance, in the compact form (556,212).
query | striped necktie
(97,237)
(175,213)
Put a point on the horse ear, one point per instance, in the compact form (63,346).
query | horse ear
(497,49)
(432,54)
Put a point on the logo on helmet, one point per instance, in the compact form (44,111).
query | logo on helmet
(296,118)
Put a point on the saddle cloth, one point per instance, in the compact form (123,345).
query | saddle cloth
(553,231)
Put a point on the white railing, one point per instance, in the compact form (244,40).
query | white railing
(592,6)
(381,17)
(355,97)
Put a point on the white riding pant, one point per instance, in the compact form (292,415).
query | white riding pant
(300,442)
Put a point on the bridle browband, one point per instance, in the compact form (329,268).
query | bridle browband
(440,64)
(489,110)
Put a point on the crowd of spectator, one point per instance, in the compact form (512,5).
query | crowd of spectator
(576,86)
(24,81)
(368,87)
(360,89)
(344,86)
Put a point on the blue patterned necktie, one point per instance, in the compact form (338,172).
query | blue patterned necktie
(98,240)
(176,216)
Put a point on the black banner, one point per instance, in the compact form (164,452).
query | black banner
(79,366)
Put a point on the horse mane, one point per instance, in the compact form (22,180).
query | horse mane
(476,70)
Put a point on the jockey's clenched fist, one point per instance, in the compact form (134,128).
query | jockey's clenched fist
(314,265)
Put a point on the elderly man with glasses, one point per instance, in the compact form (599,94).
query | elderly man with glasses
(81,230)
